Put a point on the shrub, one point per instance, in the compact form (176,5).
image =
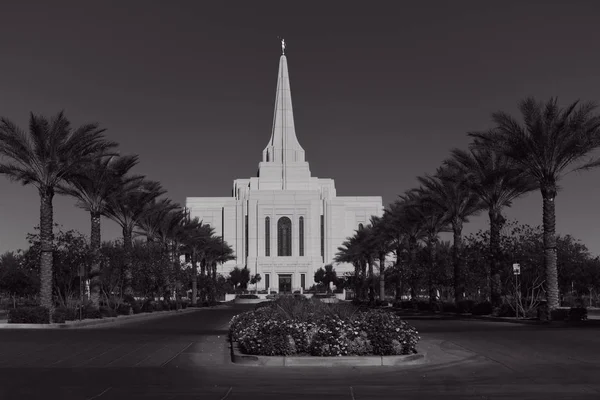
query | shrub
(577,314)
(29,315)
(184,305)
(297,326)
(247,296)
(123,309)
(106,312)
(464,306)
(483,308)
(449,307)
(560,314)
(63,314)
(505,310)
(136,307)
(89,312)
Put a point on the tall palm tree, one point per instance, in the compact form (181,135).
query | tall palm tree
(550,143)
(433,220)
(45,157)
(497,181)
(408,226)
(351,251)
(126,207)
(198,235)
(91,185)
(150,221)
(448,191)
(214,251)
(383,242)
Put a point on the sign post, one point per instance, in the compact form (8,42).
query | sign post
(516,272)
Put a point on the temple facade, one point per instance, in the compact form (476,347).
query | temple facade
(284,224)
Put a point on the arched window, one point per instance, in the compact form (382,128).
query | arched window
(360,226)
(268,237)
(284,237)
(301,236)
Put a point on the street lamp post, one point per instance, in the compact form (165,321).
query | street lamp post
(517,272)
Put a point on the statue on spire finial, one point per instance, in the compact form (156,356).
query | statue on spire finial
(282,46)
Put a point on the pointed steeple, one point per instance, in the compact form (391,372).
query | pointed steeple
(283,147)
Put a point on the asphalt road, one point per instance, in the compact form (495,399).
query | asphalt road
(186,357)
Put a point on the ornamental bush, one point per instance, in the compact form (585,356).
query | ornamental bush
(29,315)
(300,326)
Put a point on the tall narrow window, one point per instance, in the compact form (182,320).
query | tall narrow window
(267,281)
(360,226)
(284,237)
(246,236)
(303,281)
(267,237)
(323,238)
(301,237)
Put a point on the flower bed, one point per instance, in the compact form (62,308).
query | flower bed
(296,326)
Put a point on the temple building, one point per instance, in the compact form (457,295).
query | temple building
(284,224)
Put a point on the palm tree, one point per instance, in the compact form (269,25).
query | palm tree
(448,191)
(214,251)
(497,181)
(552,142)
(198,235)
(408,227)
(126,207)
(433,220)
(351,252)
(92,185)
(47,156)
(383,243)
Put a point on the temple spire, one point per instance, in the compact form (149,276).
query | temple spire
(283,147)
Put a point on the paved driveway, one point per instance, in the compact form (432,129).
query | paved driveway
(185,357)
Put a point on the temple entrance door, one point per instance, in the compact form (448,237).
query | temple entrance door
(285,283)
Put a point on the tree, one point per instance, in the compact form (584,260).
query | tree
(382,235)
(48,155)
(240,277)
(71,256)
(126,207)
(15,280)
(448,191)
(432,220)
(326,276)
(551,142)
(92,184)
(497,181)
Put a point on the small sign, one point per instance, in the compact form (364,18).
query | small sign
(517,269)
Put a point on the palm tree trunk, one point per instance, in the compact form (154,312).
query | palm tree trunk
(127,262)
(549,221)
(194,278)
(495,290)
(47,239)
(412,253)
(371,282)
(456,260)
(357,280)
(382,276)
(431,248)
(364,281)
(95,241)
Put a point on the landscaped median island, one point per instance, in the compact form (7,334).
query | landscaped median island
(299,331)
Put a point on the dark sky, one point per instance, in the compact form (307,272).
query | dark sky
(380,94)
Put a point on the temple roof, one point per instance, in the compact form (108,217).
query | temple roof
(283,147)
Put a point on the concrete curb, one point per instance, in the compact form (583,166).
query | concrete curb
(121,319)
(443,316)
(310,361)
